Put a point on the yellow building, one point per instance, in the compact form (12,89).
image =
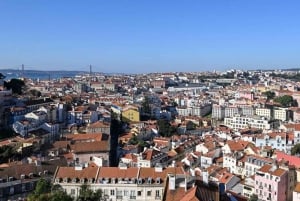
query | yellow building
(130,114)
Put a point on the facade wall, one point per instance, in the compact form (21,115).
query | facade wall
(116,192)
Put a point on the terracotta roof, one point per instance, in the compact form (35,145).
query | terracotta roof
(297,188)
(116,172)
(85,137)
(293,160)
(268,169)
(237,145)
(98,124)
(71,172)
(84,147)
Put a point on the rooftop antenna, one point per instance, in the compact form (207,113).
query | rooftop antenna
(90,70)
(22,73)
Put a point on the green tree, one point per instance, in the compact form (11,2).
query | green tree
(60,196)
(146,109)
(41,192)
(35,93)
(296,149)
(164,127)
(270,94)
(87,194)
(190,125)
(7,152)
(253,197)
(285,101)
(16,85)
(42,186)
(133,140)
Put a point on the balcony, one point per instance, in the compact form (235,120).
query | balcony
(157,197)
(119,197)
(261,187)
(132,197)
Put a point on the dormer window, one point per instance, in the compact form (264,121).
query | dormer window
(91,180)
(113,180)
(140,181)
(30,175)
(120,180)
(82,180)
(74,180)
(45,172)
(10,179)
(133,180)
(57,180)
(158,180)
(66,180)
(149,180)
(22,176)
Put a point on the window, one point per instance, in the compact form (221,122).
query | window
(148,193)
(140,181)
(157,194)
(139,193)
(157,180)
(126,193)
(112,192)
(72,191)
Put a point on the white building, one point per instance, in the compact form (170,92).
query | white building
(240,122)
(264,112)
(218,112)
(231,111)
(141,184)
(253,163)
(280,114)
(277,141)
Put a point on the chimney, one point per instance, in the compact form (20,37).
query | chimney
(158,167)
(205,177)
(171,182)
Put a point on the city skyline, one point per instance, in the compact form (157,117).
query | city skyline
(149,36)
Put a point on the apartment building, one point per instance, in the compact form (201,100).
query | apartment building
(218,112)
(253,163)
(200,110)
(271,183)
(121,183)
(241,122)
(277,141)
(231,111)
(264,112)
(281,114)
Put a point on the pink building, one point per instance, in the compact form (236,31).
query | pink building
(271,183)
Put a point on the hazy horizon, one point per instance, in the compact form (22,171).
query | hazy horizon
(134,36)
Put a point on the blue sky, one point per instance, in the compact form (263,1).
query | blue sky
(135,36)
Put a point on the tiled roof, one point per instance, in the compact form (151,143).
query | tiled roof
(16,170)
(71,172)
(297,188)
(98,124)
(269,169)
(293,160)
(84,137)
(84,147)
(116,172)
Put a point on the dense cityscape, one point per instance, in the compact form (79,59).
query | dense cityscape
(232,135)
